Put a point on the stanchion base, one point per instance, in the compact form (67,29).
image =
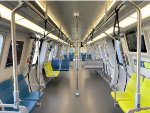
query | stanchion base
(77,93)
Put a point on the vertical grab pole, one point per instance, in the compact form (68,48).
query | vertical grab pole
(14,56)
(139,25)
(77,68)
(38,67)
(138,95)
(138,67)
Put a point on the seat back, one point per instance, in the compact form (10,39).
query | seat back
(65,64)
(6,91)
(145,92)
(71,57)
(83,57)
(56,64)
(65,57)
(23,86)
(89,56)
(131,85)
(48,68)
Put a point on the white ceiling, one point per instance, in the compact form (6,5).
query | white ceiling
(89,14)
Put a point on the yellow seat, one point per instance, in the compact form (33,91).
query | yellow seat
(120,95)
(145,99)
(49,70)
(129,92)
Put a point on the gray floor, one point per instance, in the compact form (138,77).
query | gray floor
(94,96)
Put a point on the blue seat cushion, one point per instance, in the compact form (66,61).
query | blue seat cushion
(6,91)
(65,64)
(71,57)
(65,57)
(33,96)
(30,105)
(55,64)
(6,94)
(23,86)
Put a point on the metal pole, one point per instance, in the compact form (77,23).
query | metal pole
(139,25)
(14,56)
(38,67)
(77,68)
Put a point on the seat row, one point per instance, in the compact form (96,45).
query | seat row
(71,56)
(62,65)
(27,98)
(126,99)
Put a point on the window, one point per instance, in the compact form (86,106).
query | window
(132,42)
(55,51)
(50,48)
(1,43)
(71,50)
(62,51)
(119,55)
(36,52)
(19,47)
(50,55)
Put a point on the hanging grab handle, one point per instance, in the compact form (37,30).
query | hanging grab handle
(116,24)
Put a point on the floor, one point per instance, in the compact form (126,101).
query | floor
(94,96)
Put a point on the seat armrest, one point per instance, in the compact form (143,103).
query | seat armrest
(7,105)
(33,84)
(119,84)
(36,85)
(115,86)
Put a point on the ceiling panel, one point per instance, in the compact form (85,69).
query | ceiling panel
(89,12)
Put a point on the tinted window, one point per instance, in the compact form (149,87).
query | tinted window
(19,47)
(132,42)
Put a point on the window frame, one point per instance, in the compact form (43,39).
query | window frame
(145,41)
(2,49)
(16,51)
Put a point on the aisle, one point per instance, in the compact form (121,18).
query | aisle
(94,94)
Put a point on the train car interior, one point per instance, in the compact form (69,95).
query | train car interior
(74,56)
